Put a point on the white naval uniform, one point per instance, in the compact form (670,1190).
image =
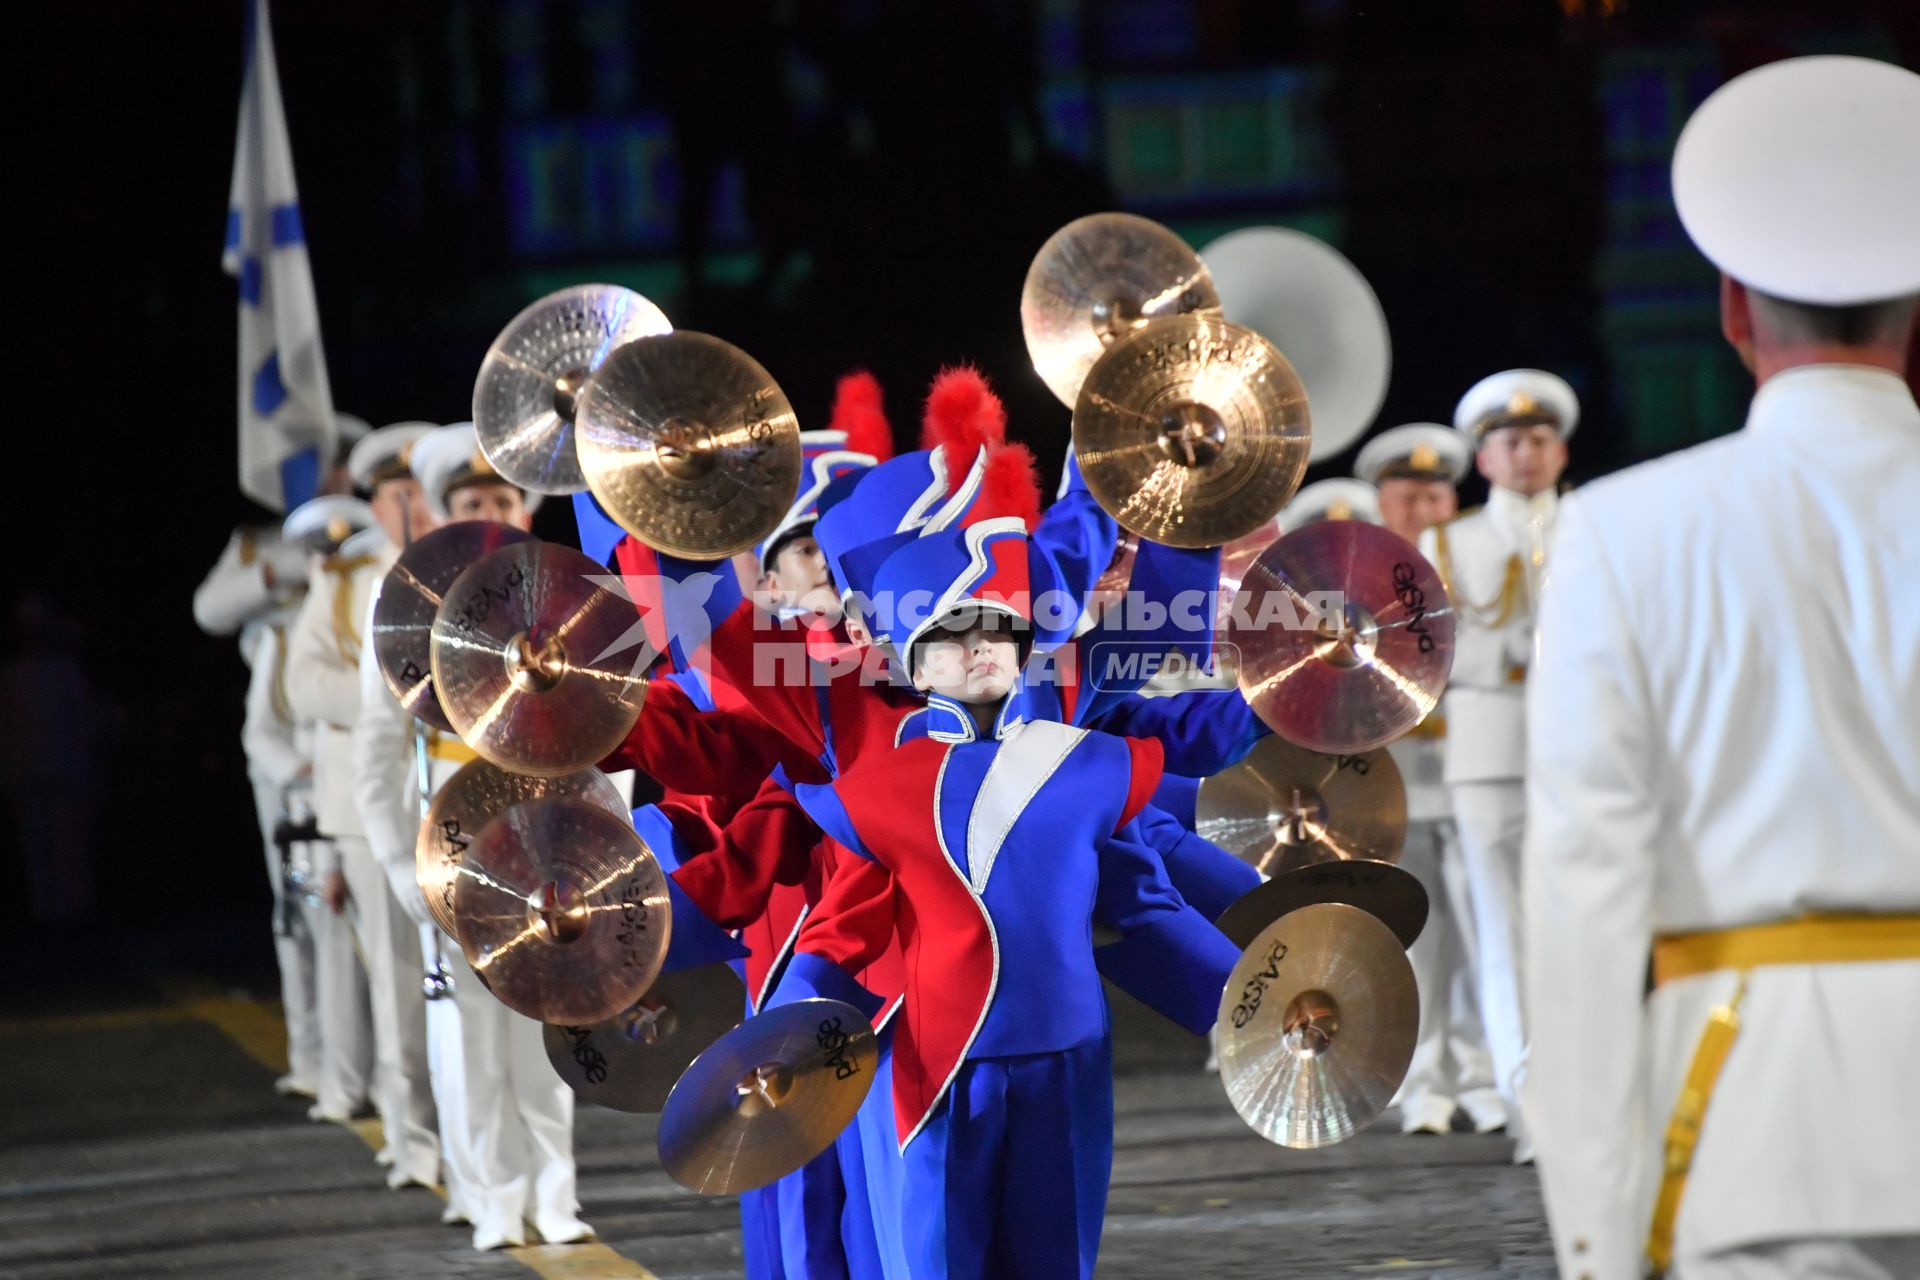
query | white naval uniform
(323,684)
(1731,673)
(1451,1064)
(235,599)
(277,751)
(1488,559)
(506,1118)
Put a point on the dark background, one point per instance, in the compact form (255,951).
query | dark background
(827,184)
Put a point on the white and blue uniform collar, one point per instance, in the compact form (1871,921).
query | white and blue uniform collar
(949,720)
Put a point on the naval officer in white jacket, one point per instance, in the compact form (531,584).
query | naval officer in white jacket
(323,684)
(1415,468)
(1491,560)
(1725,763)
(506,1118)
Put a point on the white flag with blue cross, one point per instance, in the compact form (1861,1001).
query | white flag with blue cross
(287,429)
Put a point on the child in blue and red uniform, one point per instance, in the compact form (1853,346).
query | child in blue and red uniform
(1008,839)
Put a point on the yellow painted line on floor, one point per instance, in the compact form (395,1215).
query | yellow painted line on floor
(111,1020)
(579,1262)
(258,1027)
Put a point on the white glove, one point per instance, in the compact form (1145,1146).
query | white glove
(406,891)
(286,564)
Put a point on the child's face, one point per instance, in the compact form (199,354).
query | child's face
(975,666)
(799,579)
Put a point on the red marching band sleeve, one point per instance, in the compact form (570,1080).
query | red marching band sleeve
(1148,761)
(853,925)
(725,754)
(770,841)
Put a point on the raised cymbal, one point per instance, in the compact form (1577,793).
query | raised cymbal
(631,1061)
(1317,1025)
(767,1097)
(409,599)
(1192,432)
(1236,557)
(1313,304)
(1284,807)
(475,795)
(529,383)
(540,670)
(1344,636)
(1097,280)
(1390,894)
(689,444)
(562,910)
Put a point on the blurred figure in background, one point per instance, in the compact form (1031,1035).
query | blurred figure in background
(1415,467)
(48,709)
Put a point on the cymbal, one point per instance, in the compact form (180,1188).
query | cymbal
(1345,636)
(1192,432)
(1097,280)
(540,670)
(1390,894)
(1236,558)
(409,598)
(530,380)
(1313,304)
(1284,807)
(631,1061)
(562,910)
(769,1096)
(475,795)
(689,444)
(1317,1025)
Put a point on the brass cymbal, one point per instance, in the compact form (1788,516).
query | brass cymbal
(475,795)
(1236,557)
(631,1061)
(1345,636)
(1390,894)
(1284,807)
(1096,281)
(1192,432)
(409,597)
(540,670)
(769,1096)
(530,380)
(562,909)
(689,444)
(1317,1025)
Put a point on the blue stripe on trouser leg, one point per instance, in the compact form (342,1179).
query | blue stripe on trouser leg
(810,1200)
(1010,1176)
(760,1234)
(759,1209)
(883,1170)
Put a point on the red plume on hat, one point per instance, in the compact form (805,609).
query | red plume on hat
(1011,486)
(857,411)
(964,414)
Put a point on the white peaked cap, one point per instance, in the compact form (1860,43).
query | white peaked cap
(1417,446)
(1518,394)
(1335,499)
(448,456)
(1802,179)
(375,449)
(326,521)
